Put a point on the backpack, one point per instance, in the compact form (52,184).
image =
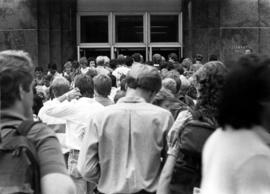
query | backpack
(19,169)
(187,171)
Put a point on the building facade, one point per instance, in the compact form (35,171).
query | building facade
(54,31)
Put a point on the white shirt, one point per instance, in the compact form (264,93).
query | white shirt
(85,70)
(53,121)
(77,114)
(226,153)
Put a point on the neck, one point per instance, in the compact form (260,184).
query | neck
(147,95)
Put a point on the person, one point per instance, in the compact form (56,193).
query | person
(102,89)
(83,65)
(124,143)
(198,63)
(76,108)
(68,71)
(101,65)
(59,86)
(137,58)
(248,51)
(191,129)
(241,162)
(39,77)
(16,80)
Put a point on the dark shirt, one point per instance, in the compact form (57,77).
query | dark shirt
(48,149)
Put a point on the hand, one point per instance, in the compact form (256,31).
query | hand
(73,94)
(173,149)
(181,121)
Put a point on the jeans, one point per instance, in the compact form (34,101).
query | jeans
(82,186)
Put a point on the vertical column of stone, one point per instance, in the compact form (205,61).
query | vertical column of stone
(56,33)
(18,26)
(44,33)
(239,27)
(68,30)
(264,32)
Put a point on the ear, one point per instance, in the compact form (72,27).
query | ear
(21,92)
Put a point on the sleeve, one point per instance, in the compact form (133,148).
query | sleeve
(168,125)
(49,153)
(88,162)
(253,176)
(61,110)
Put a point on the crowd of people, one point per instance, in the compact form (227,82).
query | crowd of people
(127,126)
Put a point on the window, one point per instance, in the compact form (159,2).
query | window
(94,29)
(164,28)
(129,28)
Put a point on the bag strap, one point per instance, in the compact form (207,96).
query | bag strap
(26,126)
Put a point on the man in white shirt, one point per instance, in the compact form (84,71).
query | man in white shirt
(77,114)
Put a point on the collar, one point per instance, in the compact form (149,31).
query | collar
(10,117)
(131,99)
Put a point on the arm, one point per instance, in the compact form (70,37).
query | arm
(167,171)
(253,176)
(57,183)
(64,109)
(88,162)
(53,173)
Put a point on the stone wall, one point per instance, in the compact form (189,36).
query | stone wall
(18,26)
(226,27)
(44,28)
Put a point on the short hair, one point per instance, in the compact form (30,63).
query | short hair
(156,58)
(137,57)
(198,57)
(213,58)
(54,66)
(100,61)
(176,76)
(170,84)
(247,86)
(16,70)
(60,85)
(173,56)
(209,81)
(39,68)
(83,60)
(102,85)
(145,77)
(129,61)
(68,65)
(85,85)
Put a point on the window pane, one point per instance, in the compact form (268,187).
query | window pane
(129,28)
(95,52)
(164,28)
(94,29)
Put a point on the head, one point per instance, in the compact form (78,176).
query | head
(53,68)
(38,72)
(170,84)
(198,58)
(85,84)
(106,61)
(186,63)
(83,62)
(100,60)
(172,57)
(68,67)
(157,59)
(246,95)
(92,62)
(145,79)
(137,57)
(129,61)
(213,58)
(121,59)
(16,79)
(164,99)
(102,85)
(60,86)
(248,51)
(209,82)
(176,76)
